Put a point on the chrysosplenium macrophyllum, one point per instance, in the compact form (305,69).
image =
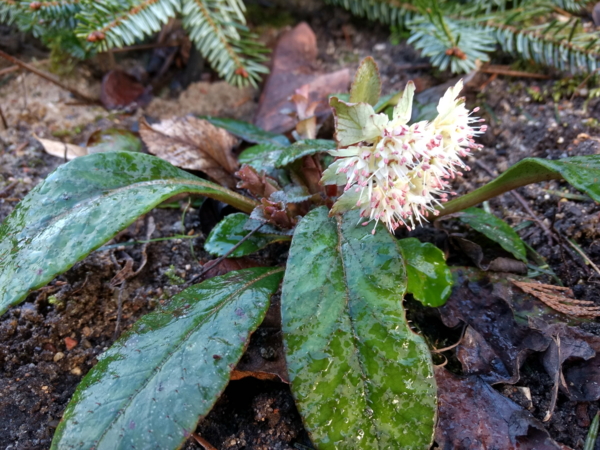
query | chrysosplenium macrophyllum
(396,172)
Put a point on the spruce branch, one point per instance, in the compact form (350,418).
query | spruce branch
(217,27)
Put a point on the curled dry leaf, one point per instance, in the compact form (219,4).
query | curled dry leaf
(472,415)
(60,149)
(194,144)
(559,298)
(258,185)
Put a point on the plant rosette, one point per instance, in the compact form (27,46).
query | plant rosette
(361,377)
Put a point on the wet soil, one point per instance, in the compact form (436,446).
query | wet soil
(49,342)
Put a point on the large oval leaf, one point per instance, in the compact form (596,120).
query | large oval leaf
(151,387)
(82,205)
(582,172)
(495,229)
(362,379)
(229,231)
(429,277)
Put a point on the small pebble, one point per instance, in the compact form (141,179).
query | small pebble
(70,343)
(560,140)
(58,356)
(76,371)
(86,331)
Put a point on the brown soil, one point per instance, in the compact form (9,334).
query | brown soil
(38,374)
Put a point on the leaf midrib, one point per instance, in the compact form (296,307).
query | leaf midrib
(338,223)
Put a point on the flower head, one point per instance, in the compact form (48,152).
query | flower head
(396,172)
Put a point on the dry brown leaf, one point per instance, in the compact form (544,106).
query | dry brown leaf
(57,148)
(559,298)
(194,144)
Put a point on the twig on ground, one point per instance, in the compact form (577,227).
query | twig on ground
(4,122)
(216,262)
(583,255)
(505,70)
(48,77)
(119,310)
(203,442)
(10,69)
(4,192)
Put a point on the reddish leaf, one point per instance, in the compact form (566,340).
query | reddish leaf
(228,265)
(293,68)
(121,90)
(472,415)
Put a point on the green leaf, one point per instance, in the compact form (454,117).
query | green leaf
(429,277)
(229,231)
(356,123)
(304,148)
(152,386)
(582,172)
(80,206)
(112,140)
(495,229)
(262,157)
(366,86)
(248,132)
(361,378)
(387,101)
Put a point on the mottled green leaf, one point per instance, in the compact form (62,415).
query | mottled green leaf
(582,172)
(229,231)
(355,123)
(495,229)
(113,140)
(80,206)
(151,387)
(361,378)
(366,86)
(304,148)
(429,277)
(262,157)
(248,132)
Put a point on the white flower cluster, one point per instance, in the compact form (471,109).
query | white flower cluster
(395,172)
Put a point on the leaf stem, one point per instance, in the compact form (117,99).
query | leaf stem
(494,188)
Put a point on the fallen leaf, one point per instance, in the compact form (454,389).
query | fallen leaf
(572,360)
(559,298)
(566,343)
(264,359)
(496,344)
(193,144)
(500,264)
(122,91)
(58,149)
(112,140)
(294,68)
(472,415)
(227,265)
